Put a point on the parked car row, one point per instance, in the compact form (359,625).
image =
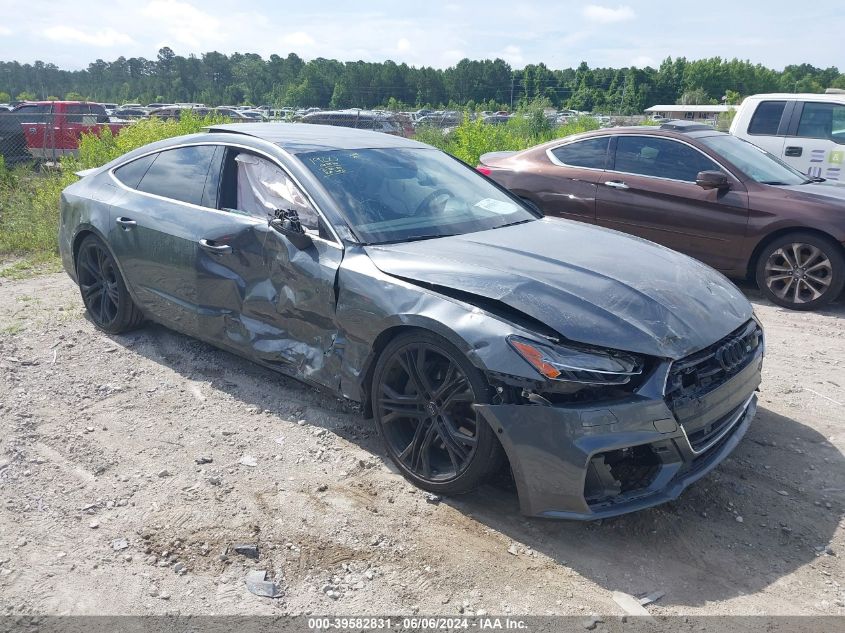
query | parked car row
(362,119)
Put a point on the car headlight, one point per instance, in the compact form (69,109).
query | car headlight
(572,364)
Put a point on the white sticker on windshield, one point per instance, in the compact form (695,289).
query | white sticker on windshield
(497,206)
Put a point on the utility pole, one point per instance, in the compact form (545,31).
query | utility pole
(512,80)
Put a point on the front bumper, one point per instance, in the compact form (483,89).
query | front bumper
(595,461)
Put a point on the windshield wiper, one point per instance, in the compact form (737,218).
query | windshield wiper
(415,238)
(814,179)
(772,182)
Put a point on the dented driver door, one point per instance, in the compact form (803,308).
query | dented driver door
(267,299)
(296,303)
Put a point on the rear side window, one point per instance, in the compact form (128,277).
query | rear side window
(179,174)
(98,113)
(822,120)
(33,113)
(74,112)
(766,118)
(591,153)
(660,158)
(131,173)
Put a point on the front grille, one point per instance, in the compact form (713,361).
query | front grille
(700,373)
(699,439)
(704,459)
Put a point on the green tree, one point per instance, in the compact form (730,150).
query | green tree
(696,96)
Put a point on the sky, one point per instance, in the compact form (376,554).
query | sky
(73,33)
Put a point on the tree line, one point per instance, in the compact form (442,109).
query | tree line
(217,79)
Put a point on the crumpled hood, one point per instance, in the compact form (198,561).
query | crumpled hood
(589,284)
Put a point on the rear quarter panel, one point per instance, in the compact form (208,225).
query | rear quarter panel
(84,207)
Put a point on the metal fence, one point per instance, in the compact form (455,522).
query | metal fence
(14,147)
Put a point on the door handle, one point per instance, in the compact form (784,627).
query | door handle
(793,150)
(616,184)
(219,249)
(126,223)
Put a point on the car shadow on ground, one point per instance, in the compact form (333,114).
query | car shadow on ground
(761,515)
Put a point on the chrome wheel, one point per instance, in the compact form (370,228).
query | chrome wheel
(798,273)
(423,402)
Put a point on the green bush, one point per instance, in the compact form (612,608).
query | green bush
(96,150)
(29,200)
(472,138)
(29,205)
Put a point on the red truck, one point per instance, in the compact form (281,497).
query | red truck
(53,128)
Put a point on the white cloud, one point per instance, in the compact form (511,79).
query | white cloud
(606,15)
(105,37)
(452,56)
(511,54)
(298,39)
(403,45)
(5,30)
(183,23)
(641,61)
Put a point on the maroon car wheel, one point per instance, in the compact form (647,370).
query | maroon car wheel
(801,271)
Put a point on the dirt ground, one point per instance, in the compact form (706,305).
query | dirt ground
(106,508)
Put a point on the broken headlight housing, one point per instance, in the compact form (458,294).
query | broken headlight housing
(587,366)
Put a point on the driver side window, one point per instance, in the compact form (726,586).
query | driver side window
(258,187)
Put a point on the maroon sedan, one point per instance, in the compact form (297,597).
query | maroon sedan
(701,192)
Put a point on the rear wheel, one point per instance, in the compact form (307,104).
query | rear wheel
(423,394)
(801,271)
(103,290)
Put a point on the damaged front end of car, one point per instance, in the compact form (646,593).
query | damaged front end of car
(607,433)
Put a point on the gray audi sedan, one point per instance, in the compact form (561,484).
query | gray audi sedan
(608,372)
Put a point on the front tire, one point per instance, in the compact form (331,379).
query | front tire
(423,394)
(801,271)
(103,290)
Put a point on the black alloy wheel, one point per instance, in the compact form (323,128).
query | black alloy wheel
(423,395)
(801,271)
(103,290)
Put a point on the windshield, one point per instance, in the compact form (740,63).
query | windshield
(399,195)
(756,163)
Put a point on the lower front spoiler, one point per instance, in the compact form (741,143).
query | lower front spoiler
(550,451)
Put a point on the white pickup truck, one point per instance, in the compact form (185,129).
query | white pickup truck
(806,131)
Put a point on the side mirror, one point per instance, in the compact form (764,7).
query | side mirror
(712,180)
(287,223)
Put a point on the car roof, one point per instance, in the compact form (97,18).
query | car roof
(297,138)
(799,96)
(670,129)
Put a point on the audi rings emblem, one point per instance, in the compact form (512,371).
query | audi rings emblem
(732,354)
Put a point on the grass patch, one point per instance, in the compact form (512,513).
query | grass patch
(13,328)
(40,263)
